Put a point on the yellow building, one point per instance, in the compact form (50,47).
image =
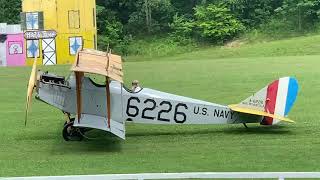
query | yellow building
(56,29)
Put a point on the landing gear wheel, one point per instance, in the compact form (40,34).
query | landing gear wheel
(71,133)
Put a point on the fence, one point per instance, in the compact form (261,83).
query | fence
(188,175)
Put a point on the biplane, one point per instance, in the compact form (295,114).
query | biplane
(108,106)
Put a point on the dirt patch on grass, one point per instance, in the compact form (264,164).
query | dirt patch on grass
(234,44)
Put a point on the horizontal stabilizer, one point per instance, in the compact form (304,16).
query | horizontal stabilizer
(257,112)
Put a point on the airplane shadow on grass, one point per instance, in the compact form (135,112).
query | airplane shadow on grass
(96,146)
(106,142)
(240,130)
(269,130)
(98,142)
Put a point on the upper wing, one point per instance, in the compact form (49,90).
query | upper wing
(234,107)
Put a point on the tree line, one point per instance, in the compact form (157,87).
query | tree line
(209,21)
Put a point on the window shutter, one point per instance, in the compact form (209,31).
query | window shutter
(23,21)
(70,19)
(41,21)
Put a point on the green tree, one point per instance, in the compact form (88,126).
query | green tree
(252,13)
(110,30)
(182,29)
(303,14)
(150,16)
(185,7)
(10,11)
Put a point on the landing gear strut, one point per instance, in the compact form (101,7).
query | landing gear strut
(71,133)
(245,125)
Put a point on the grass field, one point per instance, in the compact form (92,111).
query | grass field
(297,46)
(39,149)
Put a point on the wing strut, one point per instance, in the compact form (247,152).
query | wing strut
(108,100)
(79,76)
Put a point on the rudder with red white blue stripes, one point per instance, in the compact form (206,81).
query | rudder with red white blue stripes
(277,98)
(280,97)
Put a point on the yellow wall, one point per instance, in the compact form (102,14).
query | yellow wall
(56,17)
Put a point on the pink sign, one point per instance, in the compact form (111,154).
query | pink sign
(16,55)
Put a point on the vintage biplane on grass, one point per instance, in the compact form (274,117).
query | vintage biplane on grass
(108,106)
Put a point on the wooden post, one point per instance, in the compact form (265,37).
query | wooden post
(108,100)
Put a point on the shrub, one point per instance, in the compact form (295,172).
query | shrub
(215,23)
(181,26)
(158,46)
(111,35)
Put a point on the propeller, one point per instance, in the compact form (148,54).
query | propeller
(31,85)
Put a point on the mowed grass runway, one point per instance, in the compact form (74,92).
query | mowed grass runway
(39,149)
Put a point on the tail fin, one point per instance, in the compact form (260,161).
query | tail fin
(277,99)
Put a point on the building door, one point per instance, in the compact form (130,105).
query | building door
(49,51)
(3,52)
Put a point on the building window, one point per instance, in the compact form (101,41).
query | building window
(33,48)
(15,47)
(32,20)
(75,44)
(74,19)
